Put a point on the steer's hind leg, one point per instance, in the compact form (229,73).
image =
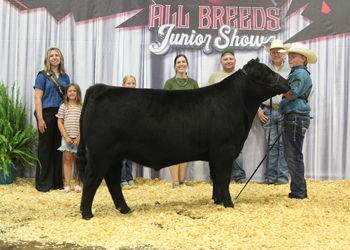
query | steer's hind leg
(91,183)
(222,169)
(113,183)
(216,190)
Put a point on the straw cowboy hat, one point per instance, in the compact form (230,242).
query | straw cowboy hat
(301,49)
(277,44)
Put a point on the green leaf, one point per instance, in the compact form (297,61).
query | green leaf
(17,140)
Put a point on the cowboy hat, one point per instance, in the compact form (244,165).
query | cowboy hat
(301,49)
(277,44)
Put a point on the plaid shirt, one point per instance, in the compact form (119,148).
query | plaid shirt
(50,99)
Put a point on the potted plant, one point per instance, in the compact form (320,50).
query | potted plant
(17,139)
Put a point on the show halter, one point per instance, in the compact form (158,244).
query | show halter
(273,85)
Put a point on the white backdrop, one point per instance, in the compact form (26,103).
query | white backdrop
(96,52)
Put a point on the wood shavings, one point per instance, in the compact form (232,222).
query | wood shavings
(184,218)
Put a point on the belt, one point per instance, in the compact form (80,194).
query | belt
(274,106)
(295,114)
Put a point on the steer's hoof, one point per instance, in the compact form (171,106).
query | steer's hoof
(124,210)
(87,217)
(218,203)
(229,204)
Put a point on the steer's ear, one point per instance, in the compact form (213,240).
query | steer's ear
(257,59)
(251,61)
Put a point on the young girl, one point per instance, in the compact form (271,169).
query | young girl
(68,123)
(129,81)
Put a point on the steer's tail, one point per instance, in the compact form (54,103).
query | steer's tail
(81,154)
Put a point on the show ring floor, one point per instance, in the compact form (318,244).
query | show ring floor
(184,218)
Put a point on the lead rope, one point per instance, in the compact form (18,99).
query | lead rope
(268,146)
(268,152)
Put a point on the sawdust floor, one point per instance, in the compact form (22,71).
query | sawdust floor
(185,218)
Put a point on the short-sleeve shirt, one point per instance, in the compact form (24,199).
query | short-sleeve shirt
(51,98)
(218,76)
(71,117)
(172,84)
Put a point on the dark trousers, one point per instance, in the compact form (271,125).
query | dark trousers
(293,134)
(49,157)
(126,171)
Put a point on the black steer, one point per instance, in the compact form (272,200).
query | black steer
(159,128)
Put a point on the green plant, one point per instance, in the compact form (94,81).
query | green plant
(16,139)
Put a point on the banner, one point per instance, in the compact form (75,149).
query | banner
(102,41)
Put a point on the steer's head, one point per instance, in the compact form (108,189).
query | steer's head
(262,74)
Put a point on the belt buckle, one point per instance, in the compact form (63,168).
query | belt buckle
(275,106)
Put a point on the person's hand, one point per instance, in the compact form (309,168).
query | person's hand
(42,126)
(76,141)
(68,140)
(262,117)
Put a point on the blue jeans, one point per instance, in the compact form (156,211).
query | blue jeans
(126,171)
(237,168)
(294,129)
(278,170)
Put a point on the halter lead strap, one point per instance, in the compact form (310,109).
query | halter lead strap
(273,85)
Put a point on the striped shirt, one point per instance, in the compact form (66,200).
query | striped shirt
(71,119)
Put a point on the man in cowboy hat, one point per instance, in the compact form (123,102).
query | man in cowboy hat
(228,63)
(296,115)
(271,120)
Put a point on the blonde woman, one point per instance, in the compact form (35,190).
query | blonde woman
(47,102)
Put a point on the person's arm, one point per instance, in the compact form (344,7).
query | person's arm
(167,85)
(38,95)
(63,131)
(289,97)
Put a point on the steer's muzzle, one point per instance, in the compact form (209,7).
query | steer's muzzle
(283,85)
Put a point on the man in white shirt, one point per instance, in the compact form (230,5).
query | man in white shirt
(228,63)
(271,120)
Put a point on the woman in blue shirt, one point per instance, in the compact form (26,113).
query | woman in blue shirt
(296,115)
(47,102)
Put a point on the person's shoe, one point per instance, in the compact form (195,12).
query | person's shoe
(176,184)
(280,183)
(187,183)
(44,191)
(131,183)
(124,183)
(77,189)
(67,189)
(240,181)
(266,182)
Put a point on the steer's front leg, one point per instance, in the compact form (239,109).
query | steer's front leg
(222,169)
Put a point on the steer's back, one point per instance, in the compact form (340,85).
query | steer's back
(159,128)
(152,127)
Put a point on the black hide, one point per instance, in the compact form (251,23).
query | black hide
(159,128)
